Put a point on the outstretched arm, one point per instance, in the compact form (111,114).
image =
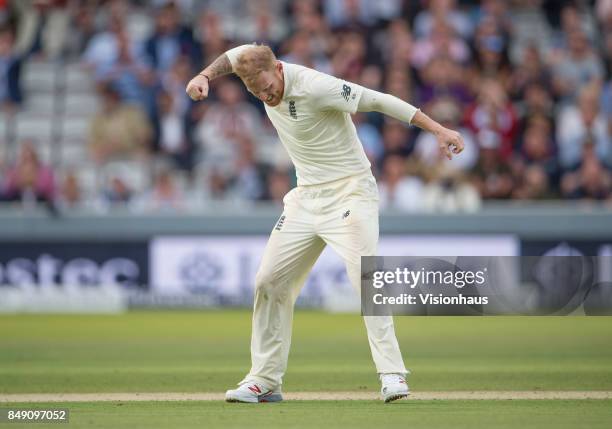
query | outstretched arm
(449,141)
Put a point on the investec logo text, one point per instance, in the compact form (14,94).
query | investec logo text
(47,270)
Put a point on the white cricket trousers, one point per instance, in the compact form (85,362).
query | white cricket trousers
(343,214)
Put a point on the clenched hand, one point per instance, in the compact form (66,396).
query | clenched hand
(450,142)
(197,88)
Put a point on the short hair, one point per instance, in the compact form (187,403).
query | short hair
(253,61)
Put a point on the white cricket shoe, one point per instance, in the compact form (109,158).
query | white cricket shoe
(253,392)
(394,387)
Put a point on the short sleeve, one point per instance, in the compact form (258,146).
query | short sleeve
(234,53)
(331,93)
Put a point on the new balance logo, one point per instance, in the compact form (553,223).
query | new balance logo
(280,223)
(346,92)
(292,110)
(346,214)
(255,389)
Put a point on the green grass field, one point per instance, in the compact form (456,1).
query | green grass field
(208,352)
(558,414)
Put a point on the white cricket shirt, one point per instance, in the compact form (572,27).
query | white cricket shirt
(314,124)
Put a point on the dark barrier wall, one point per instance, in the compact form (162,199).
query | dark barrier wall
(65,263)
(550,221)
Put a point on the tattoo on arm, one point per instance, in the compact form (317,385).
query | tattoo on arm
(219,67)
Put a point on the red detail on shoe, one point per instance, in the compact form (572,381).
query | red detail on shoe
(403,381)
(255,389)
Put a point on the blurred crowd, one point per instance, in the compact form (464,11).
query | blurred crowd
(527,83)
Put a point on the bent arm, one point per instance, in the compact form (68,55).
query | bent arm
(219,67)
(224,64)
(197,88)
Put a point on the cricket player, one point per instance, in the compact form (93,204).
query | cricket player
(335,203)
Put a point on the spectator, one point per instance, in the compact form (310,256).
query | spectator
(350,57)
(493,114)
(396,139)
(529,26)
(306,17)
(398,190)
(370,138)
(450,192)
(70,193)
(103,50)
(224,123)
(607,48)
(300,52)
(3,164)
(491,176)
(43,27)
(537,148)
(443,78)
(116,192)
(387,10)
(604,11)
(10,71)
(445,10)
(442,41)
(165,194)
(606,105)
(29,180)
(263,23)
(172,137)
(279,184)
(395,44)
(591,181)
(129,75)
(231,14)
(532,185)
(576,67)
(82,30)
(531,70)
(170,39)
(399,83)
(491,59)
(345,14)
(211,37)
(218,183)
(536,100)
(118,130)
(583,123)
(250,180)
(175,81)
(497,11)
(574,19)
(604,15)
(4,11)
(371,76)
(527,82)
(137,21)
